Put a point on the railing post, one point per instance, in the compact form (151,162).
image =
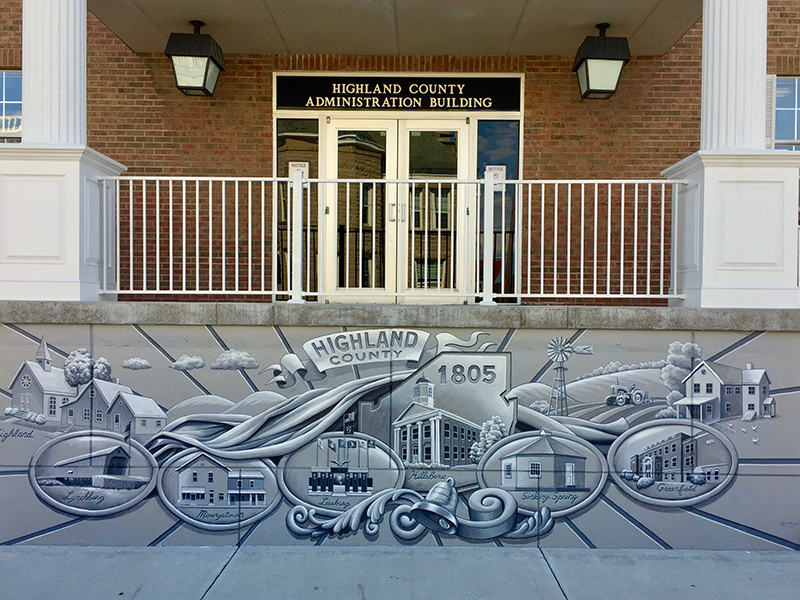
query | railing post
(296,286)
(488,242)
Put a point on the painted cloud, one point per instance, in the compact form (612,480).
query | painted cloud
(233,360)
(187,363)
(136,363)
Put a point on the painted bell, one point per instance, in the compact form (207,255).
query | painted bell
(437,511)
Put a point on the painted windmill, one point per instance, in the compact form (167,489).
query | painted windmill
(559,350)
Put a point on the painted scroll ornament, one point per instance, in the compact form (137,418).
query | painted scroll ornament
(492,514)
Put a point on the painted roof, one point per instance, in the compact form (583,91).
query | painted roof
(418,409)
(43,353)
(97,454)
(202,456)
(51,382)
(108,390)
(695,401)
(141,406)
(754,375)
(725,373)
(543,445)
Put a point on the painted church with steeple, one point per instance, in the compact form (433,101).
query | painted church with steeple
(39,387)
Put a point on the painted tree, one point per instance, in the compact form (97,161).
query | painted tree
(102,369)
(681,358)
(79,367)
(492,431)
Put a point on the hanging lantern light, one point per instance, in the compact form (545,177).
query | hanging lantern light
(599,63)
(197,61)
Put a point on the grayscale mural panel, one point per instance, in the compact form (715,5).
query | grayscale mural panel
(162,435)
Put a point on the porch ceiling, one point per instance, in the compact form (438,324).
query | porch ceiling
(388,27)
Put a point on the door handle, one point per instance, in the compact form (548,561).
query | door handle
(392,206)
(403,211)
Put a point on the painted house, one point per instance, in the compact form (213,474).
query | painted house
(134,414)
(715,391)
(40,387)
(110,406)
(90,408)
(425,433)
(546,465)
(205,481)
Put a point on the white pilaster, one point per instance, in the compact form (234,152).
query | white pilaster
(734,69)
(735,242)
(56,223)
(54,72)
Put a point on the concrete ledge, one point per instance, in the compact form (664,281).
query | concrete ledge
(390,315)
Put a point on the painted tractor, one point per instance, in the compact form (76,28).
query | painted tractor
(620,395)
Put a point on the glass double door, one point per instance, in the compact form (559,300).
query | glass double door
(397,222)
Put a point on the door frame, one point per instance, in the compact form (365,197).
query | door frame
(399,212)
(328,209)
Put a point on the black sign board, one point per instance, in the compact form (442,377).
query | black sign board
(348,92)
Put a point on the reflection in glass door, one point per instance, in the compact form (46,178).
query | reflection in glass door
(360,246)
(432,157)
(361,209)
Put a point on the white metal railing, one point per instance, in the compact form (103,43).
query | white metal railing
(297,239)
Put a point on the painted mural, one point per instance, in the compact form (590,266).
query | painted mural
(265,435)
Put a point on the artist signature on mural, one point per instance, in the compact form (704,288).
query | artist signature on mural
(14,433)
(87,497)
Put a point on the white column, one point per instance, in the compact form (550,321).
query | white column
(54,72)
(734,70)
(56,221)
(436,440)
(735,235)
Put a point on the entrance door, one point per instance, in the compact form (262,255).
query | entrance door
(400,230)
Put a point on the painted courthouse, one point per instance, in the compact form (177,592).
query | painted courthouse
(392,266)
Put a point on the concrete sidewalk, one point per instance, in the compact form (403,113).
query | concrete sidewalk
(224,572)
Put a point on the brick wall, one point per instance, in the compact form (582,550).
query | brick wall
(11,34)
(137,116)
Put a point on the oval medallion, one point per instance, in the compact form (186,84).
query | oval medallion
(218,494)
(336,472)
(673,462)
(92,474)
(549,469)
